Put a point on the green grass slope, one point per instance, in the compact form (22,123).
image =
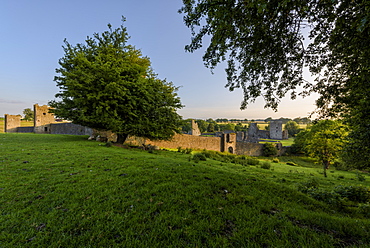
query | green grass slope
(65,191)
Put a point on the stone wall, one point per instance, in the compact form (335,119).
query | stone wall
(42,118)
(249,149)
(263,134)
(70,128)
(276,130)
(25,129)
(228,142)
(11,123)
(253,133)
(181,140)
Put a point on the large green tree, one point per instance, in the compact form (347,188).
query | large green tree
(323,141)
(268,43)
(107,84)
(28,114)
(292,127)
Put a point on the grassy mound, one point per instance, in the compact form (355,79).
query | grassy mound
(65,191)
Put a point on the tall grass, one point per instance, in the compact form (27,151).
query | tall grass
(65,191)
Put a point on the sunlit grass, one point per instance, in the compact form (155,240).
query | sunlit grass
(65,191)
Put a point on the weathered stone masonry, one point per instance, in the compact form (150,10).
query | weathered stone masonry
(44,123)
(12,122)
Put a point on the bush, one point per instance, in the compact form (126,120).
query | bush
(199,157)
(269,149)
(252,161)
(331,198)
(308,185)
(265,165)
(275,160)
(360,177)
(359,194)
(338,165)
(291,163)
(186,150)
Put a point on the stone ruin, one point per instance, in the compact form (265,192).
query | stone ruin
(194,129)
(44,123)
(12,122)
(241,143)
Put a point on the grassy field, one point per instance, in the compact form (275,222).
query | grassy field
(65,191)
(287,142)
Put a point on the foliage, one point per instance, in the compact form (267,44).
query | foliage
(291,163)
(324,141)
(185,151)
(307,185)
(358,194)
(240,127)
(211,127)
(186,126)
(269,149)
(275,160)
(357,149)
(202,125)
(199,157)
(298,146)
(229,126)
(106,84)
(266,165)
(263,45)
(292,127)
(28,114)
(304,120)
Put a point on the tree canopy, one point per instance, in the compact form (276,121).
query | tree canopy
(267,44)
(323,141)
(28,114)
(292,127)
(107,84)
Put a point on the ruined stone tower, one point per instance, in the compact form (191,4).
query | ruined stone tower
(194,129)
(42,119)
(12,122)
(276,130)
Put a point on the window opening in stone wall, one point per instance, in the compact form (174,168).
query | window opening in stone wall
(44,113)
(45,129)
(228,138)
(231,150)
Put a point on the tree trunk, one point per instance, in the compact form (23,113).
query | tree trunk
(121,138)
(326,165)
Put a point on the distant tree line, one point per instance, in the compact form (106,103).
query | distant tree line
(211,126)
(222,124)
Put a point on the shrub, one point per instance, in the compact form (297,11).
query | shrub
(354,193)
(199,157)
(360,177)
(275,160)
(308,185)
(291,163)
(331,198)
(252,161)
(186,150)
(109,144)
(265,165)
(364,209)
(338,165)
(269,149)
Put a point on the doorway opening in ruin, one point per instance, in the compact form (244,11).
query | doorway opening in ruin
(230,149)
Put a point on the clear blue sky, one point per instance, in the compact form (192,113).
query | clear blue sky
(32,34)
